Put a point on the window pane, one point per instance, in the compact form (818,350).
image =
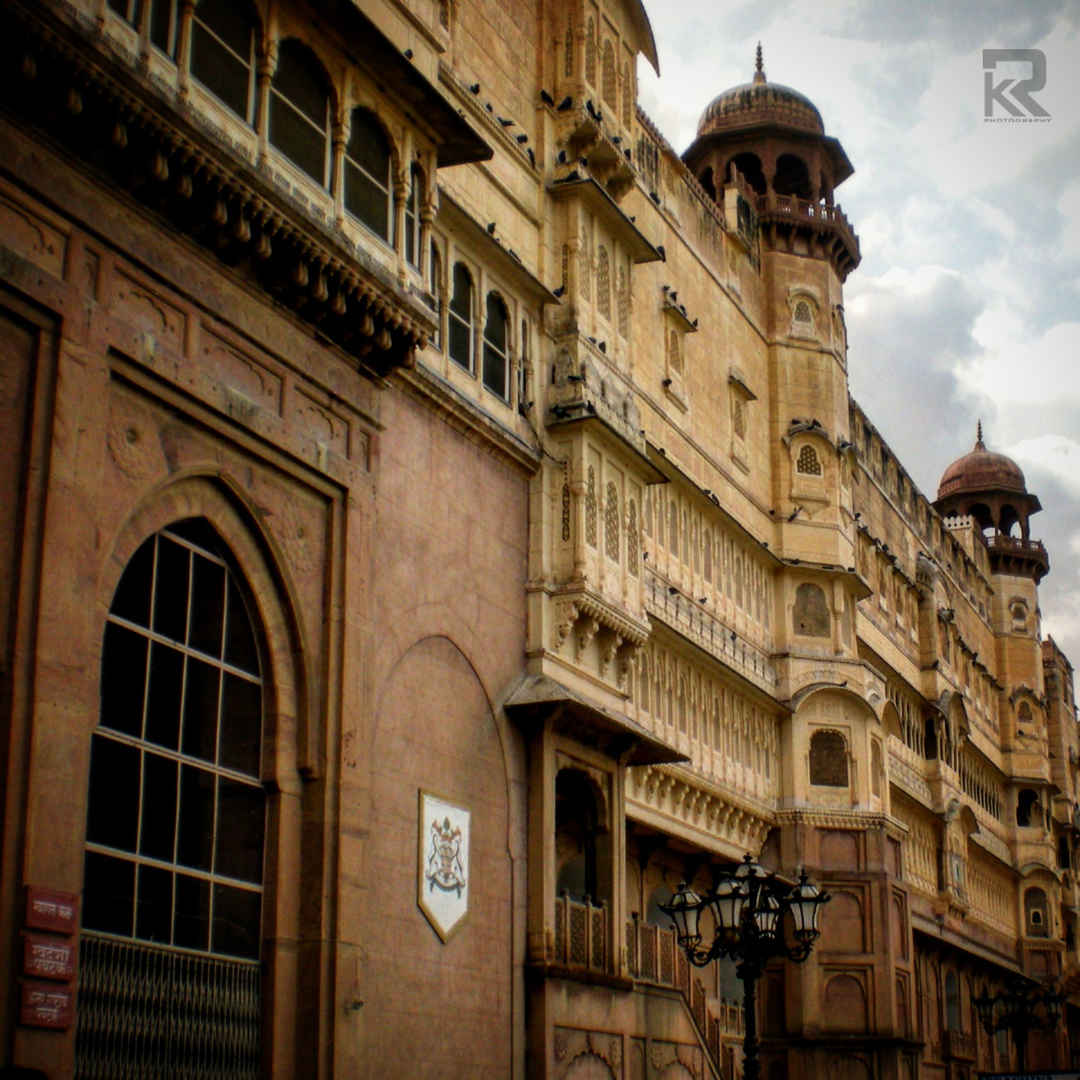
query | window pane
(460,342)
(494,371)
(192,925)
(163,703)
(298,80)
(158,808)
(239,640)
(229,21)
(241,725)
(108,894)
(201,709)
(132,598)
(171,590)
(368,147)
(123,679)
(153,913)
(236,921)
(366,201)
(113,813)
(298,140)
(222,73)
(241,819)
(196,818)
(207,605)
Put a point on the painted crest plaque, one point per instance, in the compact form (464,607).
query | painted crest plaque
(443,878)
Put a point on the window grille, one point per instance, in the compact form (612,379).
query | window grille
(609,75)
(611,522)
(633,555)
(176,820)
(590,508)
(603,282)
(624,302)
(627,96)
(808,461)
(590,52)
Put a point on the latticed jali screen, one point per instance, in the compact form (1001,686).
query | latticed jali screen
(152,1012)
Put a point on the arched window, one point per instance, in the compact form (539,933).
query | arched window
(578,830)
(412,222)
(811,614)
(1036,913)
(1027,808)
(603,282)
(609,89)
(300,111)
(176,815)
(461,318)
(1023,715)
(223,53)
(496,373)
(808,462)
(792,177)
(368,191)
(803,314)
(828,759)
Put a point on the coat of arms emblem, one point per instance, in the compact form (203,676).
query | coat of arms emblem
(443,878)
(445,868)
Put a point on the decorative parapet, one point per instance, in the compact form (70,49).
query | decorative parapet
(827,223)
(704,629)
(580,391)
(678,795)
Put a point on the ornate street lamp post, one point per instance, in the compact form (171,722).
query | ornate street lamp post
(749,909)
(1021,1007)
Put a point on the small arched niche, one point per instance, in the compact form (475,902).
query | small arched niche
(828,759)
(811,611)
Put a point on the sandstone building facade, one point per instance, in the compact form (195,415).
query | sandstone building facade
(436,523)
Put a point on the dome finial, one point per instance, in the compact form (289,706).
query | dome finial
(759,69)
(979,444)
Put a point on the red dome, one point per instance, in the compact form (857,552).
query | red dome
(981,471)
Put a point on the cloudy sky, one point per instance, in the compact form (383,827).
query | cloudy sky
(967,300)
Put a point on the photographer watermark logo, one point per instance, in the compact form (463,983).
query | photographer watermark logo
(1007,99)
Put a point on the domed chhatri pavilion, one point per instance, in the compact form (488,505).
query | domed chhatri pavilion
(434,525)
(990,488)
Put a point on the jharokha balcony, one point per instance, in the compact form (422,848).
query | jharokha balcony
(783,217)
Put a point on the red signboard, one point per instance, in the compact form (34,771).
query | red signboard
(51,909)
(48,957)
(45,1005)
